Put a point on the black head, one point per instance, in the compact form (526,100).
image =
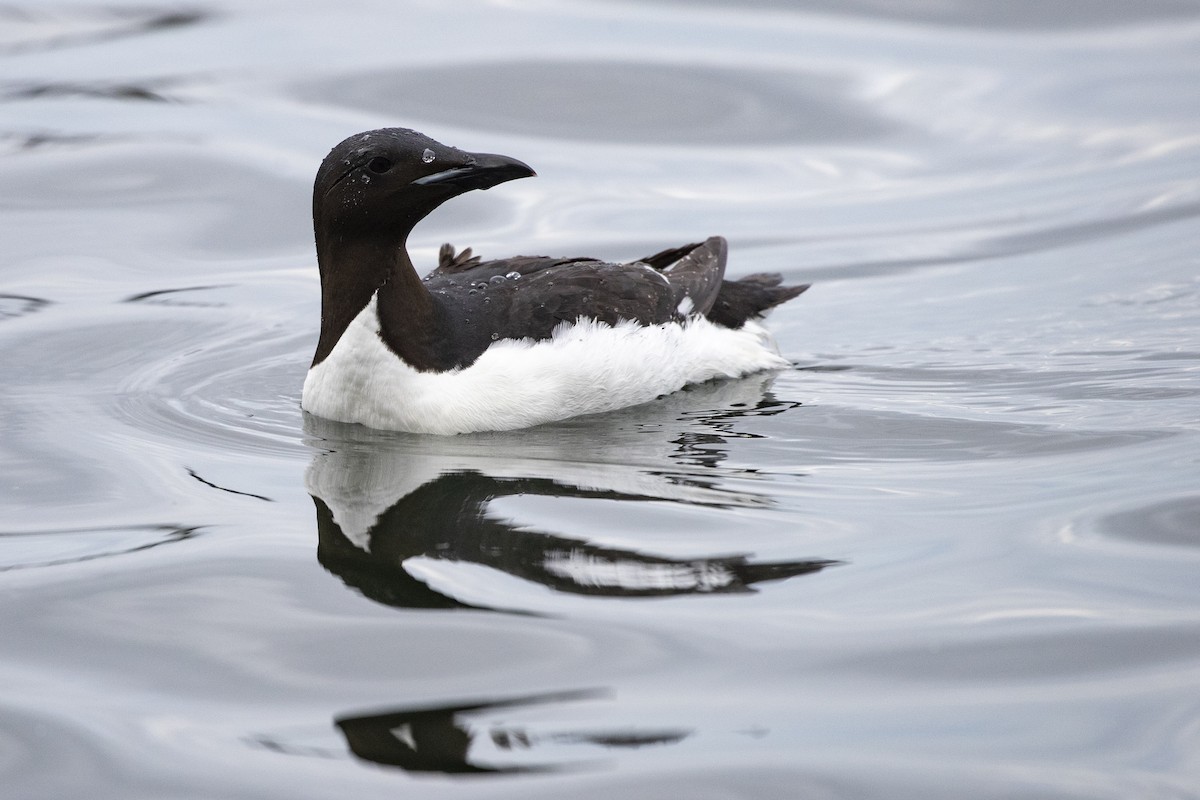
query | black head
(387,180)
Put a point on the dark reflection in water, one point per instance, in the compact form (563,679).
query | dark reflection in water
(66,27)
(53,548)
(19,142)
(705,448)
(167,297)
(195,475)
(18,305)
(89,91)
(447,519)
(439,739)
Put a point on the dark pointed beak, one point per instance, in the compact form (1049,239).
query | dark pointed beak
(483,171)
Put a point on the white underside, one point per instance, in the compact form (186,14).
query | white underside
(586,367)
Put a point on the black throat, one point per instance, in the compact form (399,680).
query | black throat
(355,268)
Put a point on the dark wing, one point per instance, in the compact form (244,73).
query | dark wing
(695,270)
(588,287)
(732,303)
(465,266)
(530,296)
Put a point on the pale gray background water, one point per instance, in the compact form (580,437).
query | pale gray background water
(952,553)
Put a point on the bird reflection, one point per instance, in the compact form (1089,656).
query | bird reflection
(446,519)
(384,500)
(446,739)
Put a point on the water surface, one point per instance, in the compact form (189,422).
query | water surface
(950,552)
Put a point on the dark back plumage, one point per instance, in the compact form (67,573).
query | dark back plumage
(530,296)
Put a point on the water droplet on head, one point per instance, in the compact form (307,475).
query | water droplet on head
(495,336)
(428,155)
(481,286)
(512,276)
(496,279)
(365,178)
(471,290)
(487,299)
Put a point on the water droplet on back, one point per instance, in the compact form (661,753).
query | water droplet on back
(512,276)
(495,336)
(496,279)
(428,155)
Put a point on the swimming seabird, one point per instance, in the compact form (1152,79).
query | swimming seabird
(498,345)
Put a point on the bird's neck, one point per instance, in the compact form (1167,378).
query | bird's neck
(354,271)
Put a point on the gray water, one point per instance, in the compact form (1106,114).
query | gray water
(952,553)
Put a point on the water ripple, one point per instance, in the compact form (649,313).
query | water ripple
(1169,523)
(1014,15)
(17,305)
(33,29)
(689,104)
(53,548)
(92,91)
(239,393)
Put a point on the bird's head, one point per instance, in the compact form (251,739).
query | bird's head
(383,182)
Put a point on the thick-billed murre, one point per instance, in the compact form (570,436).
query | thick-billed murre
(498,345)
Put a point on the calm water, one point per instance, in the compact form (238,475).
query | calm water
(952,553)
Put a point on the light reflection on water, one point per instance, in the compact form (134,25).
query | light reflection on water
(952,551)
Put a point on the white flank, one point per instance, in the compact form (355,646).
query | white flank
(585,368)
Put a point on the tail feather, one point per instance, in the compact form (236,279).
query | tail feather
(750,298)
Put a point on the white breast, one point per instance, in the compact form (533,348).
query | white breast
(585,368)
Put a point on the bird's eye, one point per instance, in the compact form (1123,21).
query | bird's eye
(379,165)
